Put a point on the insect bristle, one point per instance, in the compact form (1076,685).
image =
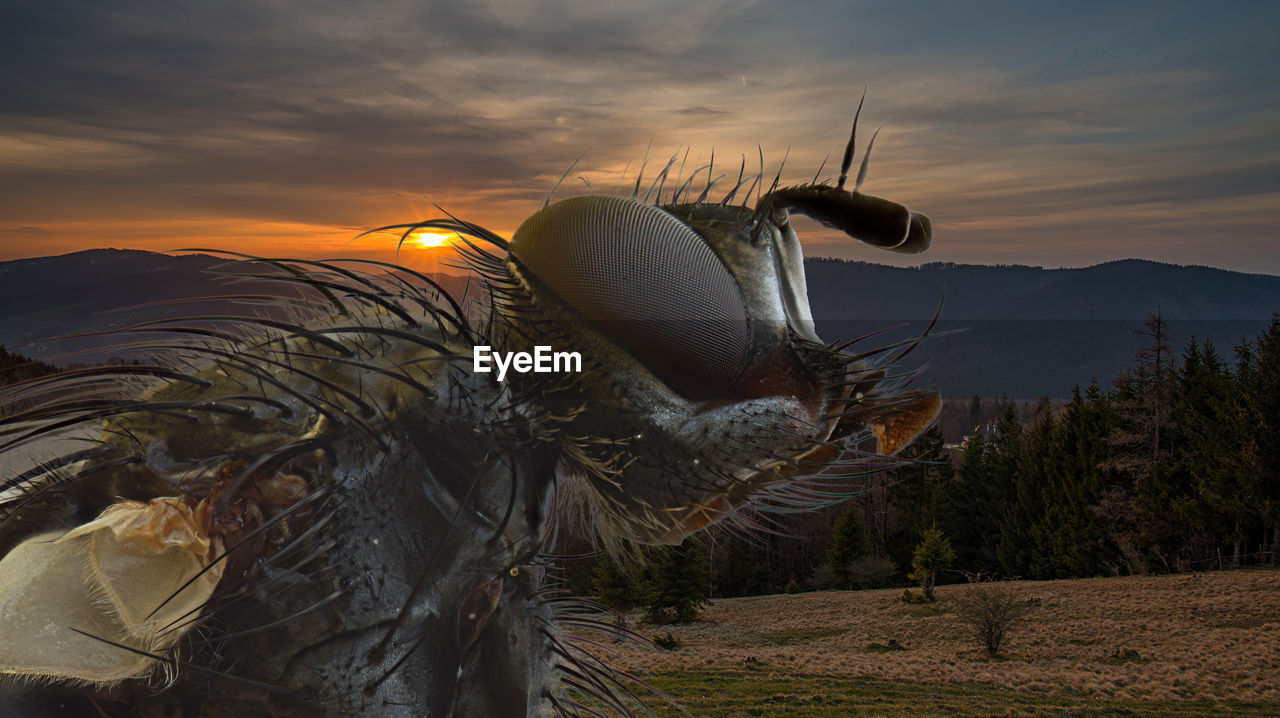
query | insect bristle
(272,417)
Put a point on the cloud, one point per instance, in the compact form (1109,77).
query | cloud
(1001,118)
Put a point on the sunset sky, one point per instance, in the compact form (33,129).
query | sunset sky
(1061,134)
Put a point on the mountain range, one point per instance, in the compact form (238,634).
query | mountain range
(1019,331)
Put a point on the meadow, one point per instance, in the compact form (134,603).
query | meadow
(1175,645)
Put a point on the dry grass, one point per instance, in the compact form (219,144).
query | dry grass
(1210,637)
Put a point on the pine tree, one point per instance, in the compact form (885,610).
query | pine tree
(1002,469)
(916,492)
(614,586)
(677,582)
(1141,396)
(1021,549)
(1258,382)
(969,507)
(1079,479)
(15,368)
(848,542)
(932,556)
(1206,481)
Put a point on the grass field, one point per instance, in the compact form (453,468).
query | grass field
(1183,645)
(751,693)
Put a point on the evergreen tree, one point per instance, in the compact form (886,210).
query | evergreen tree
(677,582)
(1141,396)
(15,368)
(760,580)
(1258,386)
(915,494)
(1080,546)
(613,586)
(969,508)
(1003,466)
(848,542)
(1022,549)
(1206,471)
(932,556)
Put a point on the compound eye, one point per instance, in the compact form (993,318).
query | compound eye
(647,281)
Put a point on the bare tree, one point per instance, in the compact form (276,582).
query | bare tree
(990,610)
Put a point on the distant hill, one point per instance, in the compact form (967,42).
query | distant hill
(1028,331)
(1122,290)
(103,289)
(1021,331)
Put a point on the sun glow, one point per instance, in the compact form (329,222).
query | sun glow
(428,238)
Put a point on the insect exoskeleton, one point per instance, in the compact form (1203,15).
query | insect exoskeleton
(708,384)
(322,506)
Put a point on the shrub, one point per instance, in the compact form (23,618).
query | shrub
(990,610)
(760,580)
(822,578)
(793,586)
(872,573)
(889,647)
(909,597)
(668,642)
(933,554)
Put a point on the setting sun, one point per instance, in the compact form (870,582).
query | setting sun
(432,238)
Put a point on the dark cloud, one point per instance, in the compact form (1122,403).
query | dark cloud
(1039,115)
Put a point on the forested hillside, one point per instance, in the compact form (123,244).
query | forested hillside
(1174,468)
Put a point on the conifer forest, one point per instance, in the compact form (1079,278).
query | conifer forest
(1175,467)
